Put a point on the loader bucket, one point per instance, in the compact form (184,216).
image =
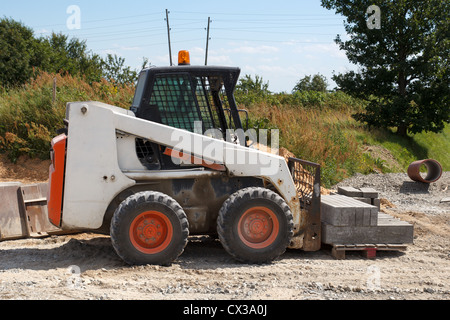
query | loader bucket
(12,221)
(23,211)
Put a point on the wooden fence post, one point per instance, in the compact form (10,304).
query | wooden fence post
(54,90)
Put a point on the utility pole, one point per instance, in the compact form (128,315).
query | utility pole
(207,42)
(168,36)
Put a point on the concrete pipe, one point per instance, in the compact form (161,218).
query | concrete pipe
(434,170)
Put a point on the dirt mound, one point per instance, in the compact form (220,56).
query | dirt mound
(385,156)
(25,170)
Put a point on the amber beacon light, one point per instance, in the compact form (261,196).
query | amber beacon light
(183,58)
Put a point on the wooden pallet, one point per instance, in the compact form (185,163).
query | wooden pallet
(368,250)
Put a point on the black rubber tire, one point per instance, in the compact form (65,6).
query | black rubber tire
(232,212)
(130,209)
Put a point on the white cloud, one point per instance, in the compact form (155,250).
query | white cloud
(43,32)
(109,51)
(197,51)
(271,69)
(289,42)
(253,50)
(270,59)
(125,48)
(330,49)
(160,59)
(219,60)
(130,48)
(116,50)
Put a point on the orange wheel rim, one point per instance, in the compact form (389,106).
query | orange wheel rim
(258,227)
(151,232)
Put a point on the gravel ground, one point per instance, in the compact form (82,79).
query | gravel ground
(85,266)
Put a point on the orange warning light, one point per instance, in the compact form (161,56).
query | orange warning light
(183,58)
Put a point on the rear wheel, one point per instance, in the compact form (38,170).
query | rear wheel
(149,228)
(255,225)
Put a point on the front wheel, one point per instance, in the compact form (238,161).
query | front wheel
(255,225)
(149,228)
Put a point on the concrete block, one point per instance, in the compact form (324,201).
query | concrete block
(376,202)
(350,192)
(340,210)
(388,231)
(366,200)
(359,217)
(336,215)
(369,192)
(374,217)
(366,217)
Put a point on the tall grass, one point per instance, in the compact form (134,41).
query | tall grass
(29,117)
(318,135)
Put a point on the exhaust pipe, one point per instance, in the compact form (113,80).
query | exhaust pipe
(434,170)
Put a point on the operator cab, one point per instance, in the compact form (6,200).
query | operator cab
(198,99)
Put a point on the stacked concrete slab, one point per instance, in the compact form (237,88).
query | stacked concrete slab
(352,217)
(342,211)
(367,195)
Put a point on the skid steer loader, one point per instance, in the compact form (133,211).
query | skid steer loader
(175,165)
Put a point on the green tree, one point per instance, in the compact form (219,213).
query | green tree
(59,54)
(257,86)
(316,82)
(16,51)
(22,56)
(403,65)
(249,90)
(114,69)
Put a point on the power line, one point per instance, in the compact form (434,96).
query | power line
(280,32)
(129,37)
(287,26)
(254,14)
(114,25)
(101,34)
(277,20)
(272,24)
(134,31)
(100,20)
(276,41)
(140,45)
(142,33)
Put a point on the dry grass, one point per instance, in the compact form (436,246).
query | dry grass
(317,135)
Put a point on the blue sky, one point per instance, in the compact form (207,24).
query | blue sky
(281,41)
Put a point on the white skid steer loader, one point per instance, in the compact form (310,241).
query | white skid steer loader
(175,165)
